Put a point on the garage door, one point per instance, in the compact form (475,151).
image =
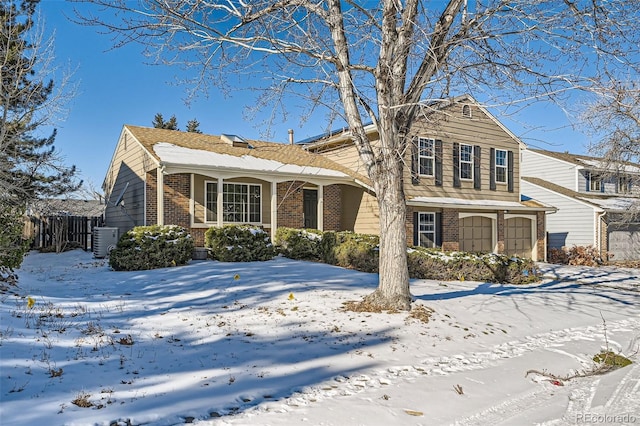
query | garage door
(517,237)
(475,233)
(624,241)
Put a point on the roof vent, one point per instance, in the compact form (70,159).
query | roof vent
(235,140)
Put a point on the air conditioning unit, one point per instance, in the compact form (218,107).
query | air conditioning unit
(104,240)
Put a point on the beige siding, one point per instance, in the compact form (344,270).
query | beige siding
(347,156)
(450,127)
(359,211)
(129,165)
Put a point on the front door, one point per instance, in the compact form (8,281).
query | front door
(310,208)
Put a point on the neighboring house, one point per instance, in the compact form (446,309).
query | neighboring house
(595,201)
(159,176)
(462,187)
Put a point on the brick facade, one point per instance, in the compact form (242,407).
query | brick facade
(500,231)
(151,198)
(176,199)
(332,207)
(291,204)
(450,230)
(541,237)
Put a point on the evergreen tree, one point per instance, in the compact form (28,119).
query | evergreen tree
(193,126)
(159,123)
(30,167)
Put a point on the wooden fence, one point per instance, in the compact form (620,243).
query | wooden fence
(61,231)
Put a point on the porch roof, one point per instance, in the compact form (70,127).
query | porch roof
(201,151)
(467,204)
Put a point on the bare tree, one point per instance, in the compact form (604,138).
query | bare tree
(382,62)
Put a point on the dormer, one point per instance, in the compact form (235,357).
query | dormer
(235,141)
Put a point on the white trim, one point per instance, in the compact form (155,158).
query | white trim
(492,216)
(274,210)
(505,167)
(219,203)
(435,230)
(472,162)
(432,157)
(160,194)
(320,207)
(192,201)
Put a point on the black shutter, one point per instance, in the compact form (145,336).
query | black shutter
(415,229)
(510,171)
(456,165)
(438,160)
(477,180)
(438,229)
(492,169)
(415,162)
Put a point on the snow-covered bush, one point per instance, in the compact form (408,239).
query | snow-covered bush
(299,243)
(435,264)
(150,247)
(239,243)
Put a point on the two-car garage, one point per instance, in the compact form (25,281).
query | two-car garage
(477,233)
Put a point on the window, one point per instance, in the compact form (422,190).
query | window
(501,166)
(595,183)
(426,156)
(240,202)
(624,184)
(466,111)
(466,161)
(426,229)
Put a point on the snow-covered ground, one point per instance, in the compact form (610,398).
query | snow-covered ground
(269,344)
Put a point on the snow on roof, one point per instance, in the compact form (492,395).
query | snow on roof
(466,202)
(602,165)
(170,153)
(612,203)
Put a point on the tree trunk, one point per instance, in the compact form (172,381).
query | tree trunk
(393,288)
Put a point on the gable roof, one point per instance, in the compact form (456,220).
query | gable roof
(585,161)
(610,203)
(343,135)
(171,147)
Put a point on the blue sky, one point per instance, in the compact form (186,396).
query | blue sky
(117,87)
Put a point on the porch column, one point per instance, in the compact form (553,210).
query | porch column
(274,210)
(320,207)
(160,194)
(219,203)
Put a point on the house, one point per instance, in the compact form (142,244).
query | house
(595,201)
(462,187)
(159,176)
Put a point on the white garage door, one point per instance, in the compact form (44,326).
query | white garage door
(517,237)
(475,234)
(624,241)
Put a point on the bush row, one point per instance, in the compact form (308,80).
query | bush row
(361,252)
(148,247)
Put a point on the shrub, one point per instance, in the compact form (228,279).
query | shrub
(299,243)
(351,250)
(150,247)
(576,256)
(438,265)
(239,243)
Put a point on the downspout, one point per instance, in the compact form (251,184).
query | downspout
(599,231)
